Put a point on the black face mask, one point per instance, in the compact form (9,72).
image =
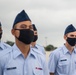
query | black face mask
(71,41)
(26,36)
(0,35)
(35,38)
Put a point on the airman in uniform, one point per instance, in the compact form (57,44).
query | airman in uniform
(62,61)
(3,45)
(21,59)
(36,46)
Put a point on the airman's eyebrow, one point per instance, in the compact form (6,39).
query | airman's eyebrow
(73,35)
(26,25)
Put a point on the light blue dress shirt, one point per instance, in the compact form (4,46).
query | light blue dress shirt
(12,62)
(74,73)
(3,46)
(40,48)
(61,62)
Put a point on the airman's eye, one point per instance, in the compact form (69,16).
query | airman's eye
(23,26)
(72,35)
(30,27)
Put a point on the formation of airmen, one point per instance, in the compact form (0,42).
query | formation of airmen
(26,57)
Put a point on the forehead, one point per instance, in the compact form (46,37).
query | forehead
(72,33)
(27,23)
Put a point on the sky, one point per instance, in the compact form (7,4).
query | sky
(51,18)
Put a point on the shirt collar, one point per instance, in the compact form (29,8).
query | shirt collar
(32,53)
(75,49)
(17,52)
(34,46)
(1,45)
(65,50)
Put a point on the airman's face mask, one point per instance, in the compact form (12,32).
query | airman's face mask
(35,38)
(26,36)
(0,35)
(71,41)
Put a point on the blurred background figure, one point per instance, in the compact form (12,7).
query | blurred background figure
(36,46)
(2,44)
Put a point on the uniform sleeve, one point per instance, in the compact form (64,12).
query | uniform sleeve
(74,73)
(6,46)
(45,69)
(44,65)
(44,51)
(1,70)
(52,62)
(1,62)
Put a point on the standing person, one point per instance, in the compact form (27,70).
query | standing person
(2,44)
(21,59)
(36,46)
(62,61)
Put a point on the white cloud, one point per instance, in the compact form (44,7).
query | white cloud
(50,16)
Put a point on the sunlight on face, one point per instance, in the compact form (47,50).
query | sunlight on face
(24,25)
(72,34)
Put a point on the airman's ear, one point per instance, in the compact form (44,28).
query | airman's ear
(13,32)
(65,37)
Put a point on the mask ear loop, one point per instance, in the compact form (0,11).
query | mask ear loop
(19,30)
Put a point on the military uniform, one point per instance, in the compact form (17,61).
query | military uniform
(62,62)
(4,46)
(13,62)
(40,49)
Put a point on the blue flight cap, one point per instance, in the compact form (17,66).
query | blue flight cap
(34,27)
(22,16)
(69,29)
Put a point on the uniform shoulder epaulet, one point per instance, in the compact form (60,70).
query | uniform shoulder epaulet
(38,52)
(5,51)
(39,45)
(6,45)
